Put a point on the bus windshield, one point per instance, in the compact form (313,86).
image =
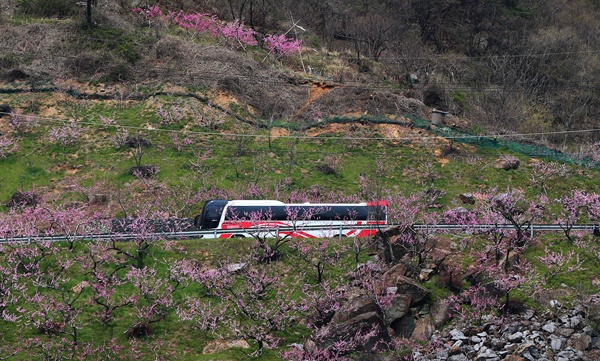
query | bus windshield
(211,214)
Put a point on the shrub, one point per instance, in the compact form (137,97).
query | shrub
(21,199)
(116,73)
(7,146)
(65,135)
(85,64)
(144,171)
(139,330)
(9,60)
(325,169)
(5,109)
(138,142)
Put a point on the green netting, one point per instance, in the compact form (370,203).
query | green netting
(503,144)
(500,143)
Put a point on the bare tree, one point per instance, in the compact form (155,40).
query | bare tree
(371,35)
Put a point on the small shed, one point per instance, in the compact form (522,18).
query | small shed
(437,116)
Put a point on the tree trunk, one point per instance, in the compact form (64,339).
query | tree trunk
(88,13)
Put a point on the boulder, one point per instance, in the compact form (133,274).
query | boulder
(391,277)
(467,198)
(355,307)
(424,329)
(509,163)
(367,328)
(410,287)
(439,312)
(405,326)
(398,308)
(408,294)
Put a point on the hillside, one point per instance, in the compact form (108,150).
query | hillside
(131,75)
(134,116)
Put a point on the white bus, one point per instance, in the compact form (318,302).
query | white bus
(271,218)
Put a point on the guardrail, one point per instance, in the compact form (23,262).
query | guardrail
(335,231)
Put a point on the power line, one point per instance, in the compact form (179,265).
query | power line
(309,137)
(208,76)
(434,56)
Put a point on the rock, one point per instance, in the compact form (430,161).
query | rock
(475,339)
(530,352)
(528,314)
(425,274)
(549,327)
(398,308)
(354,307)
(509,163)
(467,198)
(575,322)
(497,344)
(580,342)
(235,267)
(5,110)
(565,332)
(566,355)
(557,343)
(442,354)
(513,358)
(391,277)
(439,312)
(14,75)
(459,357)
(457,335)
(80,286)
(404,326)
(515,337)
(424,329)
(408,294)
(369,323)
(458,344)
(455,348)
(595,342)
(409,286)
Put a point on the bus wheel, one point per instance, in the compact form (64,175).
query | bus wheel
(197,222)
(237,236)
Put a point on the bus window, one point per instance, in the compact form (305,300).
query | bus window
(211,214)
(377,213)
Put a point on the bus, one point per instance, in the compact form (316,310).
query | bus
(271,218)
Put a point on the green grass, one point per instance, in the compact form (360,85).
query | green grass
(38,162)
(180,336)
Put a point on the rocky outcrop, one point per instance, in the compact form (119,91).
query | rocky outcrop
(567,336)
(378,321)
(359,315)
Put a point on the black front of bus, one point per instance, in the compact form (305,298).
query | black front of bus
(211,214)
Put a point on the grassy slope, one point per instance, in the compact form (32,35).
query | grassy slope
(410,166)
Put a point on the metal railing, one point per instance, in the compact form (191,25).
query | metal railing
(334,231)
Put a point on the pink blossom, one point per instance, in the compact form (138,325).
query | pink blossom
(237,36)
(281,46)
(8,145)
